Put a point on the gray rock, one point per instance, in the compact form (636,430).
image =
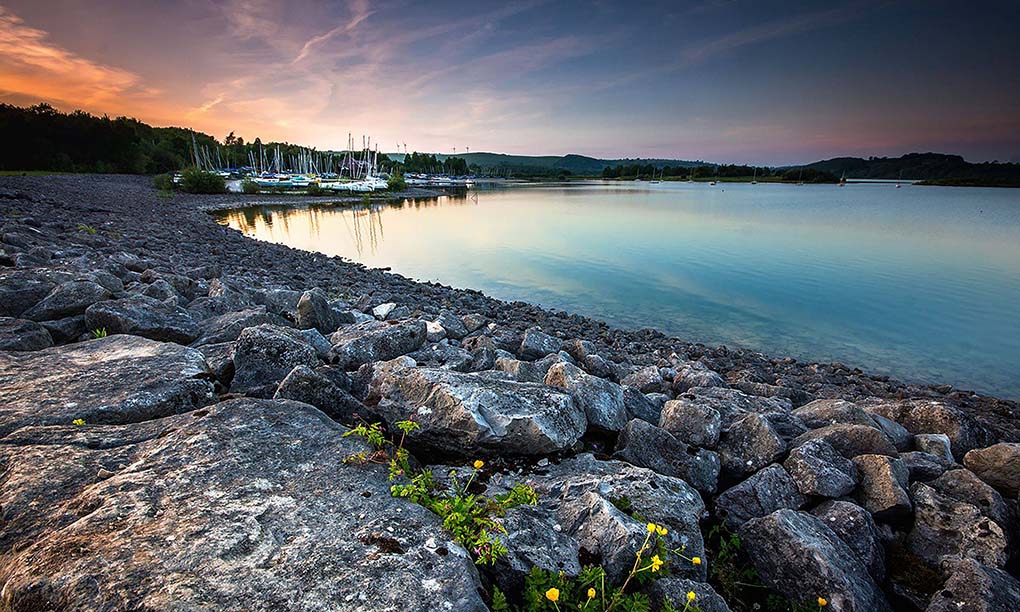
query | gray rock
(382,311)
(453,325)
(480,412)
(526,371)
(973,587)
(786,424)
(161,290)
(645,445)
(67,329)
(67,300)
(220,359)
(601,400)
(318,342)
(693,374)
(749,445)
(227,327)
(998,465)
(281,302)
(902,439)
(376,341)
(245,505)
(799,556)
(434,332)
(443,355)
(944,526)
(936,416)
(675,590)
(311,387)
(692,422)
(822,412)
(935,444)
(314,312)
(883,488)
(535,344)
(23,335)
(963,485)
(646,380)
(483,358)
(851,440)
(858,530)
(764,492)
(142,316)
(265,354)
(640,407)
(924,466)
(532,540)
(474,321)
(819,470)
(118,379)
(732,404)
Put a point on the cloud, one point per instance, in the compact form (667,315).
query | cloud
(31,65)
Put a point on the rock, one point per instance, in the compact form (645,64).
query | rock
(924,466)
(764,492)
(902,439)
(463,414)
(732,404)
(749,445)
(318,341)
(265,354)
(118,379)
(646,445)
(935,444)
(799,556)
(526,371)
(311,387)
(851,440)
(536,344)
(963,485)
(474,321)
(375,341)
(67,300)
(692,422)
(314,312)
(998,465)
(142,316)
(675,590)
(638,406)
(601,400)
(796,396)
(67,329)
(533,540)
(453,325)
(646,380)
(944,526)
(695,374)
(227,327)
(22,289)
(443,355)
(819,470)
(858,530)
(381,311)
(220,359)
(281,302)
(23,335)
(973,587)
(936,416)
(482,359)
(883,488)
(244,505)
(823,412)
(786,424)
(434,332)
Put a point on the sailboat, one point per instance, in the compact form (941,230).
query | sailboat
(901,178)
(842,179)
(754,179)
(653,181)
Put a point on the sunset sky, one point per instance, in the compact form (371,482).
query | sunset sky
(728,81)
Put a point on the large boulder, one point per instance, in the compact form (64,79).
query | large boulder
(820,471)
(244,505)
(883,487)
(947,527)
(536,344)
(314,312)
(640,407)
(936,416)
(799,556)
(67,300)
(748,445)
(646,380)
(858,530)
(480,412)
(998,465)
(763,493)
(851,440)
(139,315)
(822,412)
(693,374)
(963,485)
(973,587)
(376,341)
(601,400)
(533,538)
(23,335)
(117,379)
(227,327)
(674,591)
(265,354)
(694,423)
(643,444)
(21,289)
(304,384)
(732,404)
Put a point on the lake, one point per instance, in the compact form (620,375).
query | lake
(921,283)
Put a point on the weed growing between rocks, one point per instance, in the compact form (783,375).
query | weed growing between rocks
(473,520)
(88,229)
(99,333)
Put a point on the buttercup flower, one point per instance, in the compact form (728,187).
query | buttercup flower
(822,602)
(652,527)
(478,464)
(591,593)
(696,560)
(659,529)
(78,422)
(553,595)
(656,563)
(691,596)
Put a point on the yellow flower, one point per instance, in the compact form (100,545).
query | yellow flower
(656,563)
(659,529)
(652,527)
(696,560)
(822,602)
(591,593)
(553,595)
(78,422)
(691,596)
(478,464)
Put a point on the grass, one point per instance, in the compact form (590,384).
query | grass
(30,172)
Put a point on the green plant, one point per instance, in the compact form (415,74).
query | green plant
(396,182)
(99,333)
(163,182)
(250,186)
(194,180)
(86,228)
(315,190)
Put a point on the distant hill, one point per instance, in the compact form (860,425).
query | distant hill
(936,168)
(550,164)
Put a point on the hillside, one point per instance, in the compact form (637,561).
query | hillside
(929,167)
(551,164)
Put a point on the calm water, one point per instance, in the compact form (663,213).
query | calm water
(922,283)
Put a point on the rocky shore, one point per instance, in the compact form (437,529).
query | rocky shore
(174,399)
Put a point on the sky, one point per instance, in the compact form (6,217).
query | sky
(721,80)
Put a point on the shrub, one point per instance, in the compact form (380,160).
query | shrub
(163,182)
(250,186)
(200,181)
(396,182)
(315,190)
